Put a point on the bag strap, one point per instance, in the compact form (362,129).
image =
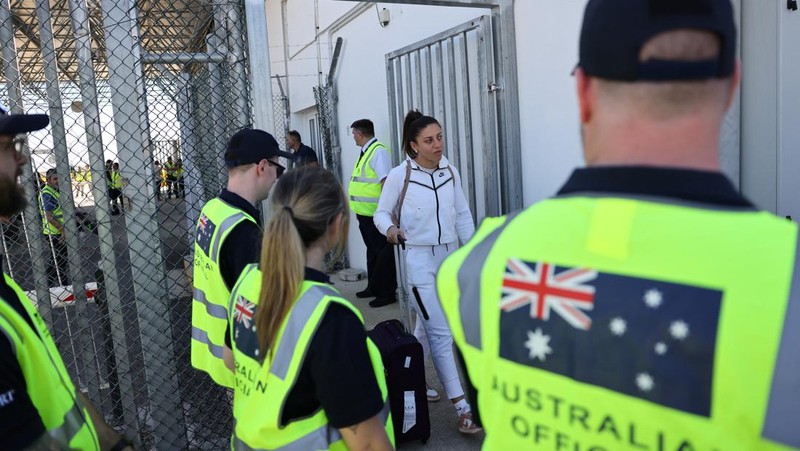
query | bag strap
(402,195)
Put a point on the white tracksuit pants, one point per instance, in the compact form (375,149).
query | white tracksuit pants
(422,264)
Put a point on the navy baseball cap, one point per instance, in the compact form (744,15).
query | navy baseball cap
(14,124)
(251,146)
(614,32)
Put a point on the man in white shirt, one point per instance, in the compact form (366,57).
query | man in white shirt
(369,173)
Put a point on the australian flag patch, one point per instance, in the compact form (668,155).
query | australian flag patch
(645,338)
(205,230)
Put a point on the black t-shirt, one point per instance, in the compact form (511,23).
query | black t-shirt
(20,423)
(304,155)
(243,244)
(703,187)
(336,374)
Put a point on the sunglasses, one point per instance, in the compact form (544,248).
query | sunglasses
(18,144)
(278,168)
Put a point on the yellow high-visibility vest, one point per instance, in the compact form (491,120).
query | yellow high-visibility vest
(46,379)
(624,324)
(365,186)
(261,388)
(210,294)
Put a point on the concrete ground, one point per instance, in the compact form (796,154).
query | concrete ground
(444,423)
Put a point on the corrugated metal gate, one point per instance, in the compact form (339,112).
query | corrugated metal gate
(449,76)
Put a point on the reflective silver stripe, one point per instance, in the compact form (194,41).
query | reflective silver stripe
(202,336)
(298,317)
(321,438)
(469,283)
(365,180)
(783,410)
(372,200)
(70,426)
(217,311)
(226,224)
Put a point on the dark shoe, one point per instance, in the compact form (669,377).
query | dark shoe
(382,302)
(365,294)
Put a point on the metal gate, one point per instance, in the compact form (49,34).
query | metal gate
(449,76)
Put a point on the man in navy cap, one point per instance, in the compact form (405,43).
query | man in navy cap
(229,238)
(648,305)
(40,408)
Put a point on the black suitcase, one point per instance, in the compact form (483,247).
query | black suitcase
(405,380)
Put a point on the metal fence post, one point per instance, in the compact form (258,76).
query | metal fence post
(217,100)
(63,169)
(147,263)
(94,141)
(34,234)
(193,177)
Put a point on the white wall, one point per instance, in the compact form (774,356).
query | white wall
(789,114)
(547,51)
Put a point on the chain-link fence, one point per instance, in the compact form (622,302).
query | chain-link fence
(134,83)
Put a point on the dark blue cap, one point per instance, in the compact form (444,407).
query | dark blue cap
(14,124)
(251,146)
(614,32)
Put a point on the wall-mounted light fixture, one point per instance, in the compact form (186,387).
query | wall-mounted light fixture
(384,16)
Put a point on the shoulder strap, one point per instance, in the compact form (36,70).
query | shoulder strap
(402,194)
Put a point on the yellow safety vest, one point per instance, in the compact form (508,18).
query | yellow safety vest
(624,324)
(48,384)
(261,389)
(116,180)
(58,214)
(169,168)
(365,186)
(210,294)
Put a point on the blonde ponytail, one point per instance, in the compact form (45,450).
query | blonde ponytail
(304,203)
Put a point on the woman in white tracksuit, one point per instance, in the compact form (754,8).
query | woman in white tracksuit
(433,217)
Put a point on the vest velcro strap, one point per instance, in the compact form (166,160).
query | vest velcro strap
(214,310)
(321,438)
(299,316)
(227,224)
(372,200)
(72,424)
(202,336)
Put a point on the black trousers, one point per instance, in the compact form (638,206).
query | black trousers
(57,261)
(380,259)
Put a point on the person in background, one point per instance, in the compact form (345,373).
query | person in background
(115,190)
(157,169)
(423,203)
(40,407)
(307,375)
(171,168)
(648,296)
(366,182)
(53,229)
(302,154)
(181,188)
